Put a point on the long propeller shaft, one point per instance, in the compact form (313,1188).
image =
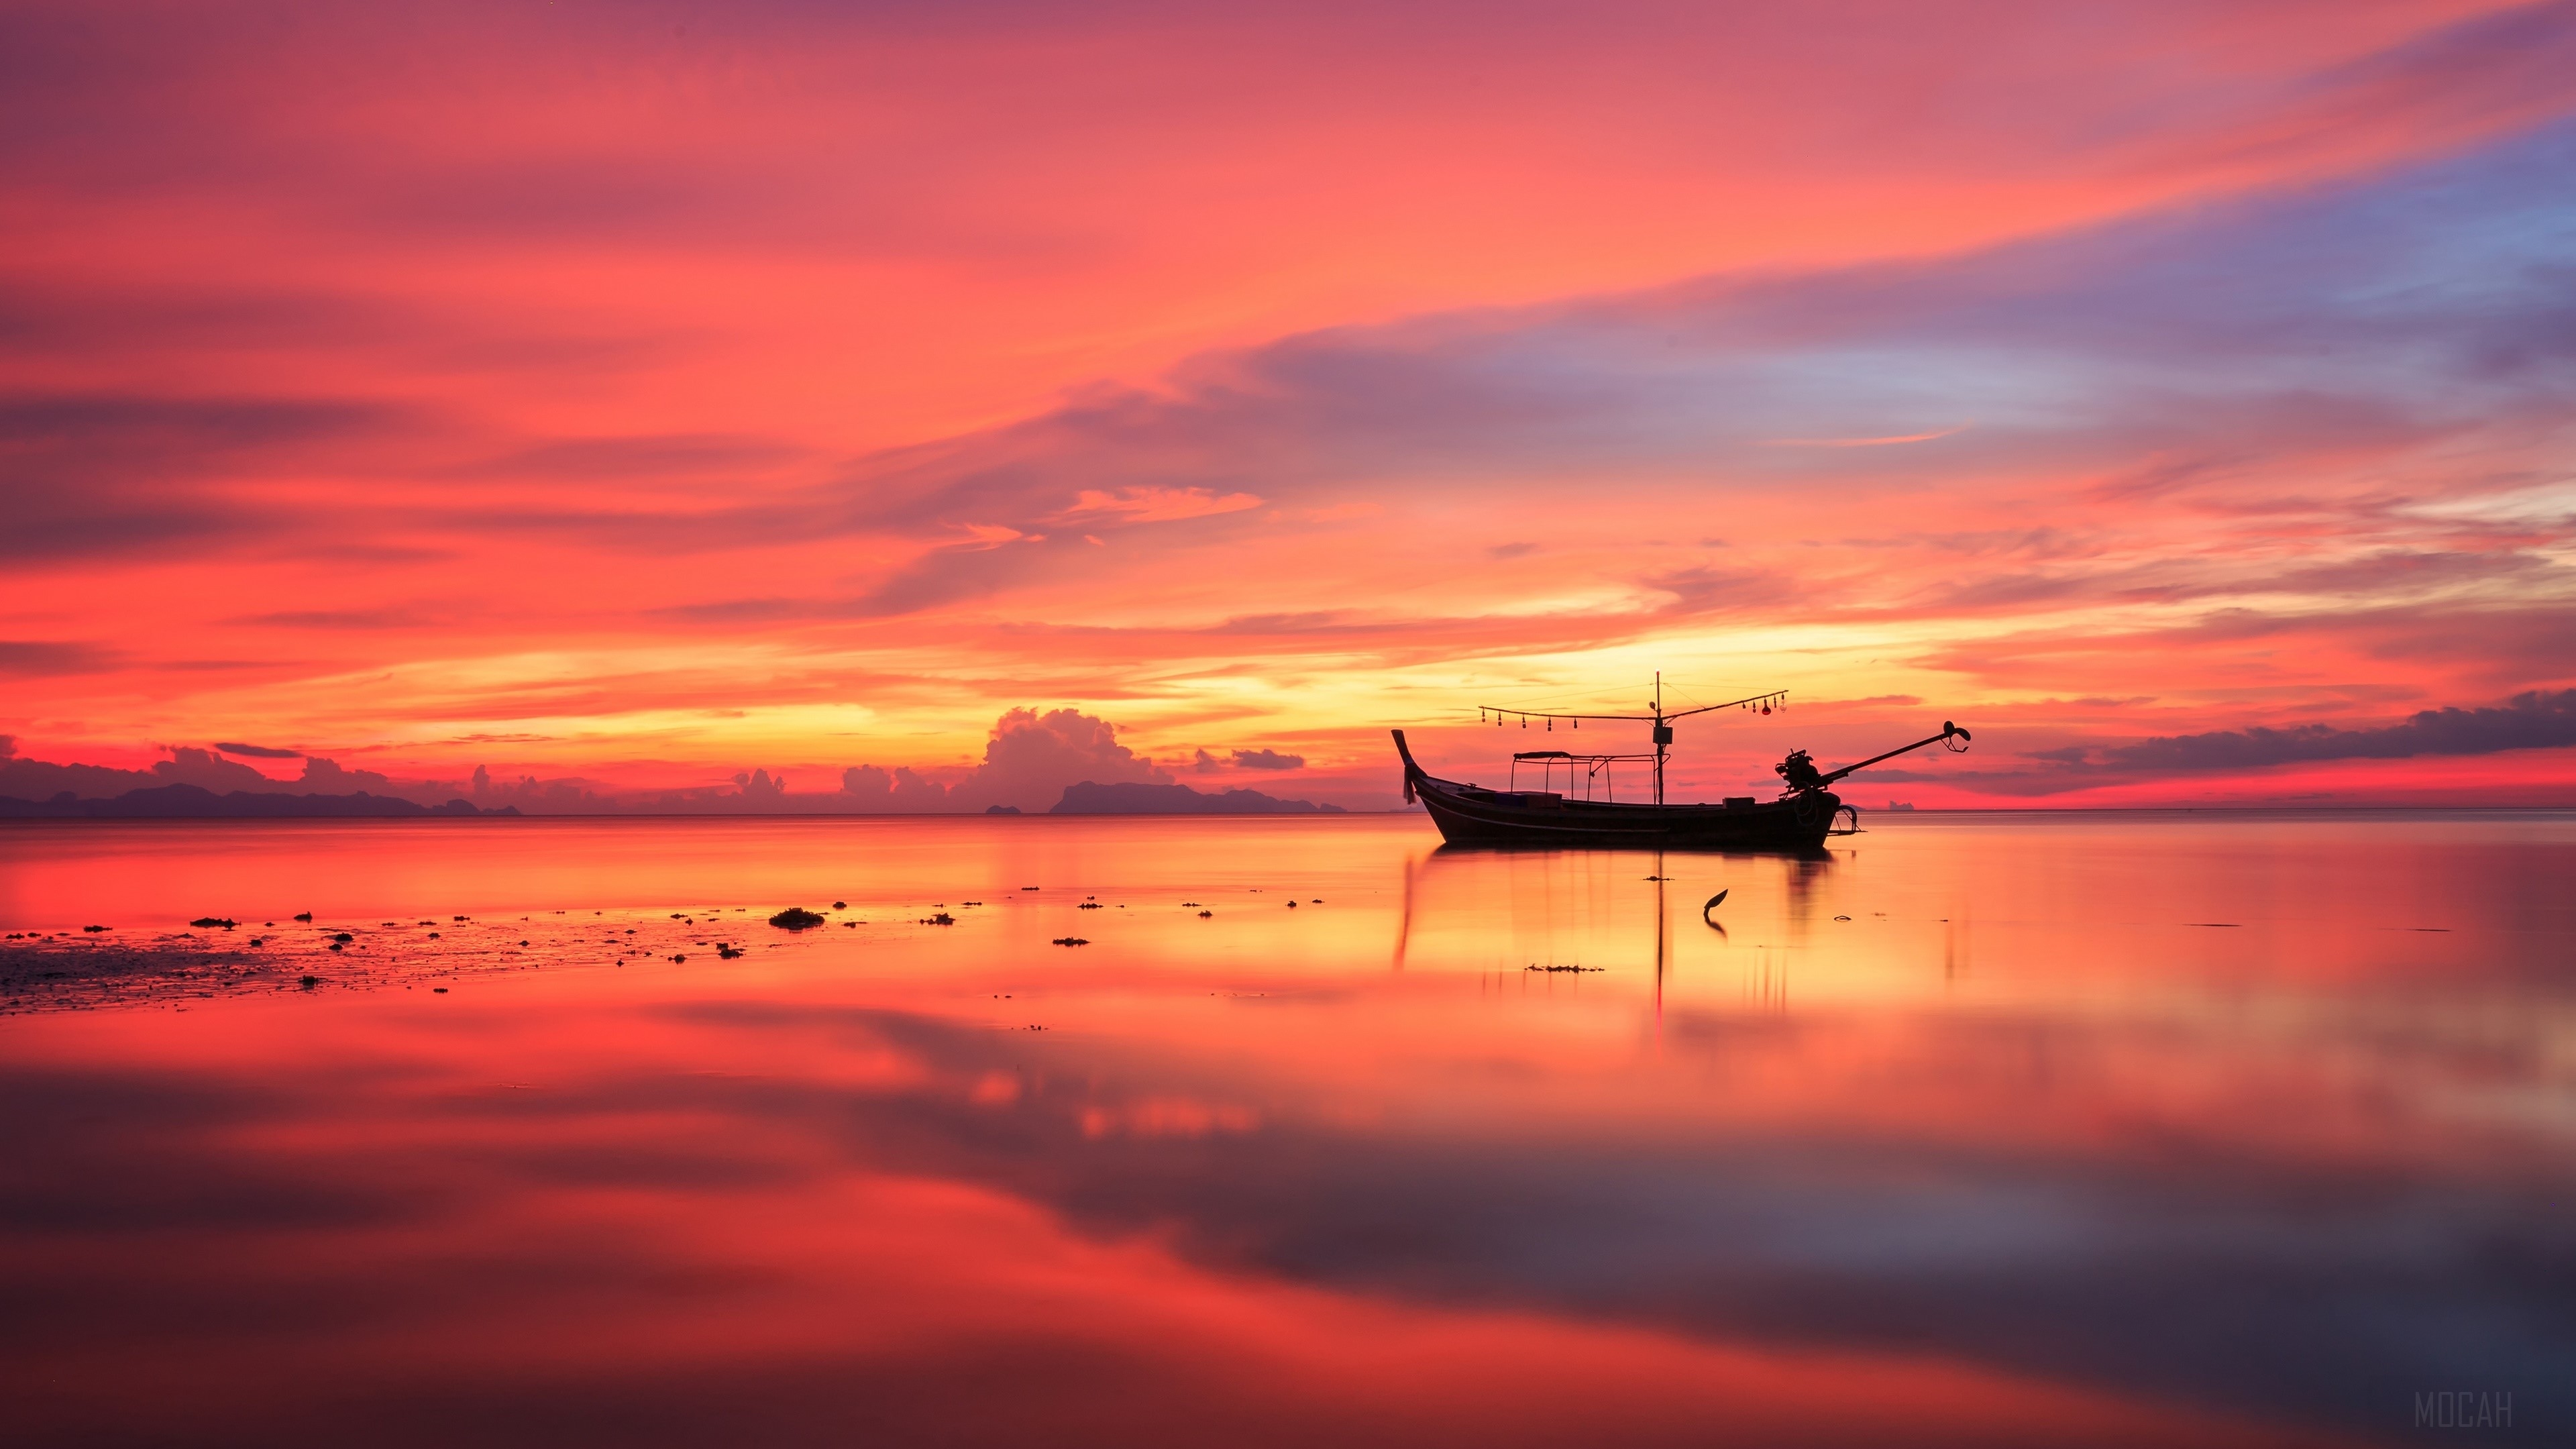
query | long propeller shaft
(1948,730)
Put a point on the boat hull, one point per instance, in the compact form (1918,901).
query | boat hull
(1470,815)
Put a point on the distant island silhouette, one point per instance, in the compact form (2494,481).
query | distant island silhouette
(1135,798)
(195,802)
(1031,761)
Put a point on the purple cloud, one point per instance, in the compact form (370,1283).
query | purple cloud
(2533,720)
(259,752)
(1267,760)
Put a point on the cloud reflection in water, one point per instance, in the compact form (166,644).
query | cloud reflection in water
(2056,1167)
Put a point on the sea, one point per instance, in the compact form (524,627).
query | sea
(2209,1128)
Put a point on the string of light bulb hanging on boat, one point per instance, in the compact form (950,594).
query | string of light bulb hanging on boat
(1770,702)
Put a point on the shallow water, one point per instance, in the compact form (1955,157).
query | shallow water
(1984,1129)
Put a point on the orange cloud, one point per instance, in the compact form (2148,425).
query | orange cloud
(1157,505)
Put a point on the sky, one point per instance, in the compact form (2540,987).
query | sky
(802,406)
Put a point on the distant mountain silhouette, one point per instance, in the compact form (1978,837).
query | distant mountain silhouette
(1132,798)
(193,802)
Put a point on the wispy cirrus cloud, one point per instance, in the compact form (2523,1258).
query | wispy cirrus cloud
(1887,442)
(1159,505)
(39,658)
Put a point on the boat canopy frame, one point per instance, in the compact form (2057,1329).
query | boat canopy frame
(1596,769)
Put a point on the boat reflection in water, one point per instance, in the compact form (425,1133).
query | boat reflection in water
(1974,1130)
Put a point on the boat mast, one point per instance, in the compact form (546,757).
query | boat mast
(1663,737)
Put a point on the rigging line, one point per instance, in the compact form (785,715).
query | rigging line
(1538,708)
(1694,699)
(1540,705)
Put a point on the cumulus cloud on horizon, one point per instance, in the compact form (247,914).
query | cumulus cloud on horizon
(1028,761)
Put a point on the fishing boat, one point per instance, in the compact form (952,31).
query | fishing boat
(1805,814)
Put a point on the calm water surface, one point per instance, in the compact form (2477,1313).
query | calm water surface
(1984,1130)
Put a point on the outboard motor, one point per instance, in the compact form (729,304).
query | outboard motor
(1805,779)
(1800,772)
